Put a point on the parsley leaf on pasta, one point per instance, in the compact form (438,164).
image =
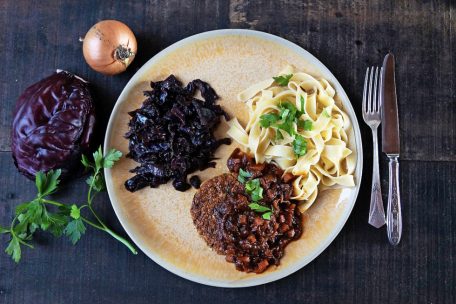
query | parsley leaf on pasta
(266,120)
(284,112)
(303,109)
(287,126)
(283,79)
(288,116)
(299,145)
(288,108)
(278,135)
(305,124)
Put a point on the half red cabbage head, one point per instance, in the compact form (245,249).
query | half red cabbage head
(53,125)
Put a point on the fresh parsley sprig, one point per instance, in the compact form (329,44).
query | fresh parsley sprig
(45,214)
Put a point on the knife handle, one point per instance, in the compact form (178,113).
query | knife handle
(394,215)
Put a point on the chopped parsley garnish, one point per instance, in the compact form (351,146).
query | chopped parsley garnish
(266,120)
(299,146)
(284,120)
(284,112)
(259,208)
(303,110)
(255,191)
(252,184)
(288,116)
(325,113)
(267,212)
(252,187)
(283,79)
(305,124)
(257,194)
(278,135)
(243,175)
(291,113)
(287,126)
(267,215)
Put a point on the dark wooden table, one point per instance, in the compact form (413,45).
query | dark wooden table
(38,37)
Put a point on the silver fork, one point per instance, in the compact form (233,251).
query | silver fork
(372,115)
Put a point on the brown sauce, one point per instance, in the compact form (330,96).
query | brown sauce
(222,215)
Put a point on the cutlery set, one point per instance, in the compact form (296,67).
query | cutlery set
(380,108)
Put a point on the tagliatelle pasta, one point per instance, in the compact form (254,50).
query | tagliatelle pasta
(295,123)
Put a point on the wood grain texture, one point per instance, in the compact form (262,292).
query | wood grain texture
(359,266)
(347,36)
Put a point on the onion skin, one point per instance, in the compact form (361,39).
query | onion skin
(109,47)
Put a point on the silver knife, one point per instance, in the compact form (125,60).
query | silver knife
(391,146)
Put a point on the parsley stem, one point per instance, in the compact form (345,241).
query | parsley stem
(96,216)
(92,223)
(22,242)
(13,234)
(122,240)
(50,202)
(89,193)
(90,198)
(110,232)
(103,226)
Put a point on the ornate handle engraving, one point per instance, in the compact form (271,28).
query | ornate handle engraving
(376,211)
(394,215)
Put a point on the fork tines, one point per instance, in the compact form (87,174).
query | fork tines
(371,101)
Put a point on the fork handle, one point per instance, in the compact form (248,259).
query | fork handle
(376,211)
(394,215)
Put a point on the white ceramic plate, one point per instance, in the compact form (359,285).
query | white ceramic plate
(158,220)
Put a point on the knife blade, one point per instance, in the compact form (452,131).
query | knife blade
(391,146)
(390,121)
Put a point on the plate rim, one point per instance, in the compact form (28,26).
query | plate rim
(279,274)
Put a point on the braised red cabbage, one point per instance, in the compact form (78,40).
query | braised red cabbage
(53,125)
(171,135)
